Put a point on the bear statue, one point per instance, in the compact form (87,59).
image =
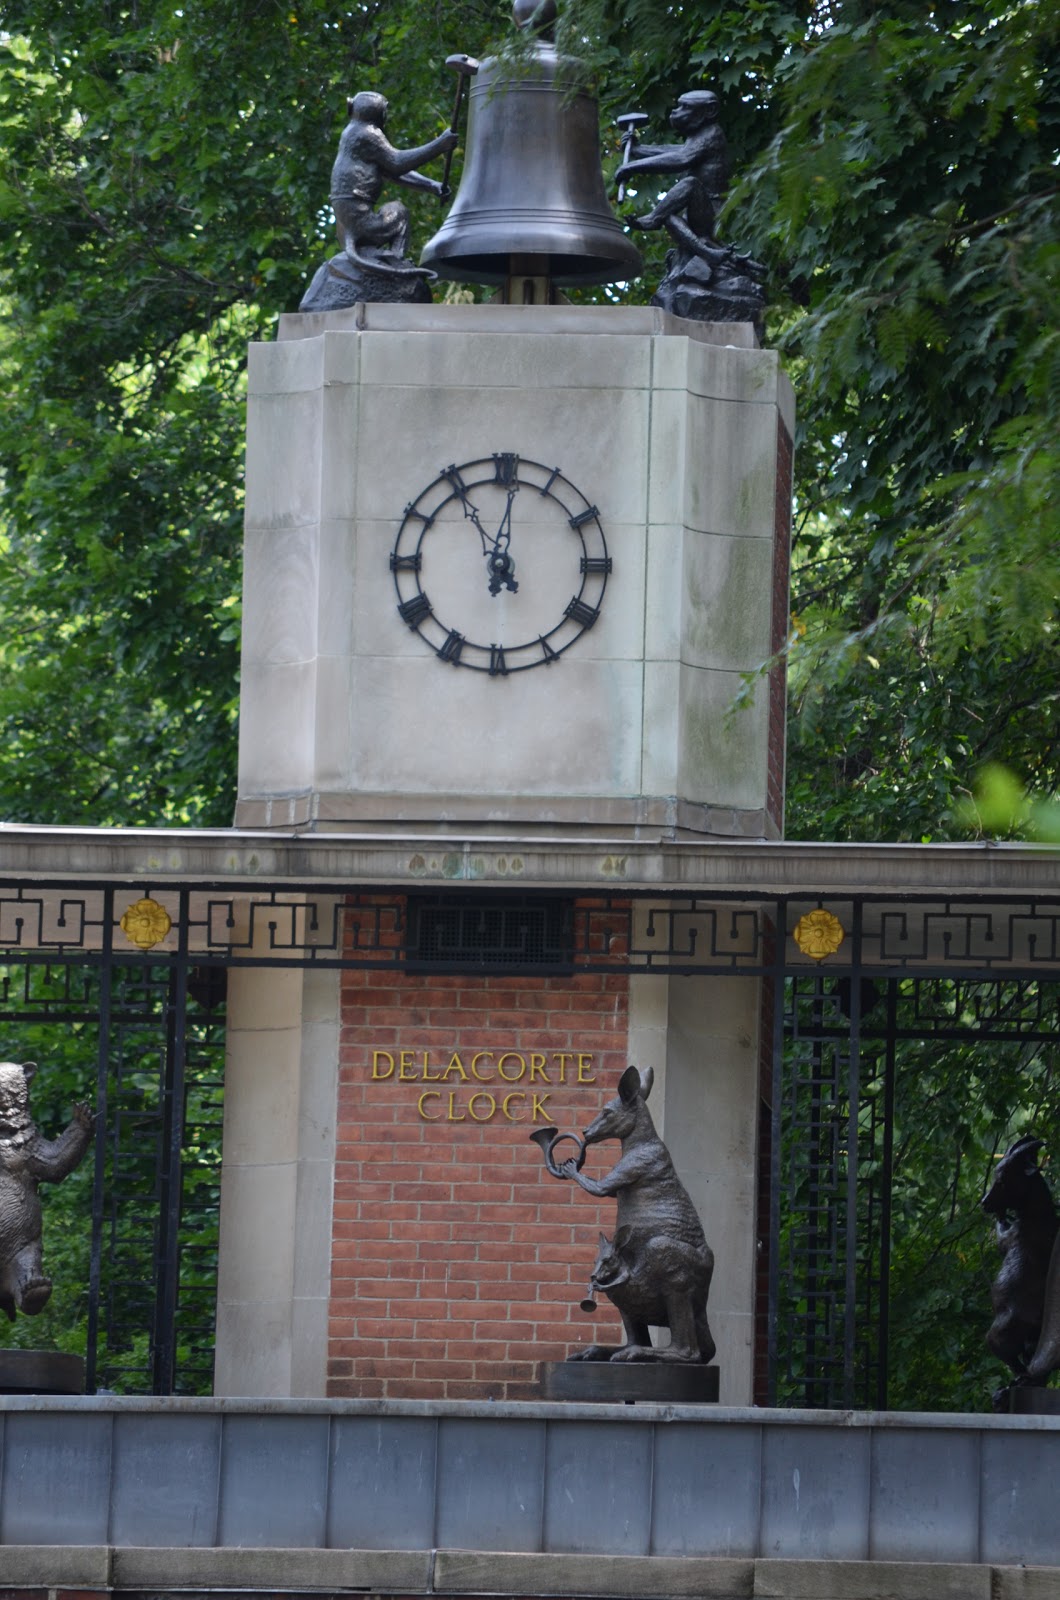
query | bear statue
(27,1159)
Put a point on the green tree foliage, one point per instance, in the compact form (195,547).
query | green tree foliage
(918,200)
(66,1057)
(163,185)
(163,194)
(957,1108)
(899,174)
(50,1019)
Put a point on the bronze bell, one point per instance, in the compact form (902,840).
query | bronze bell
(531,207)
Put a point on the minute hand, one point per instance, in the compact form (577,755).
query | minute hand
(471,512)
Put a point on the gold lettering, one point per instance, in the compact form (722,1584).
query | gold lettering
(378,1057)
(539,1105)
(492,1104)
(562,1056)
(429,1094)
(452,1116)
(515,1095)
(427,1076)
(584,1073)
(405,1060)
(483,1055)
(512,1055)
(455,1065)
(537,1069)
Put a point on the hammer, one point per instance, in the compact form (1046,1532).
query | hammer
(629,125)
(465,67)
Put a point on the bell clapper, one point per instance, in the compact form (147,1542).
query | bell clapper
(528,282)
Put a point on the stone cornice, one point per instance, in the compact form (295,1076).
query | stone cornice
(591,864)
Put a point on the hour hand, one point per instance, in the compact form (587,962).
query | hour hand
(498,560)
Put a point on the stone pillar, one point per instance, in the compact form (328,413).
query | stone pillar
(277,1177)
(360,716)
(701,1036)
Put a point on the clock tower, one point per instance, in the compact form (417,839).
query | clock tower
(514,573)
(513,567)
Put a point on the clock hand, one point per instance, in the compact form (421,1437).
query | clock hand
(498,560)
(470,510)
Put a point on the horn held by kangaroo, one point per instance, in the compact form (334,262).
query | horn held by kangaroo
(657,1269)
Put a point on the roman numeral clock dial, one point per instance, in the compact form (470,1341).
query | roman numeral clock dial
(500,565)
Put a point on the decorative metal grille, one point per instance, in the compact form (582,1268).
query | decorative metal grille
(450,934)
(145,1043)
(157,1186)
(849,1053)
(245,923)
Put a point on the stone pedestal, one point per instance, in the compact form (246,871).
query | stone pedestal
(1033,1401)
(41,1372)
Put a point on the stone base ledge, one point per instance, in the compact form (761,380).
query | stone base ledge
(63,1572)
(485,816)
(492,317)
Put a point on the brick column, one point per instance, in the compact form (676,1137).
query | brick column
(457,1261)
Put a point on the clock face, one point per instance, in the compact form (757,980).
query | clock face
(500,565)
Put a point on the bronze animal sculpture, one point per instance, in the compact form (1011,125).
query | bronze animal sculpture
(1025,1295)
(373,264)
(705,280)
(27,1159)
(657,1271)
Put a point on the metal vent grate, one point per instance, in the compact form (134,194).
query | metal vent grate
(511,934)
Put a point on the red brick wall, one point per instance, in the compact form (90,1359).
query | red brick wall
(781,625)
(457,1261)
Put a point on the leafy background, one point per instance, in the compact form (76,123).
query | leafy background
(163,181)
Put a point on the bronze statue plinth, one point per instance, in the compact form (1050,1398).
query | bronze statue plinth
(647,1383)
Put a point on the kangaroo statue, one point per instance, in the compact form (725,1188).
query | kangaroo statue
(657,1270)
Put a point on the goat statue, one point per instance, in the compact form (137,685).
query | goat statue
(657,1269)
(1025,1295)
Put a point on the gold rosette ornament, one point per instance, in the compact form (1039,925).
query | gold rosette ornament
(146,924)
(819,934)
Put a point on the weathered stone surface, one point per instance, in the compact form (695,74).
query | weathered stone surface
(1025,1583)
(869,1580)
(35,1566)
(378,1571)
(471,1572)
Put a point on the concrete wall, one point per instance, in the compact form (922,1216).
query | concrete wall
(571,1481)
